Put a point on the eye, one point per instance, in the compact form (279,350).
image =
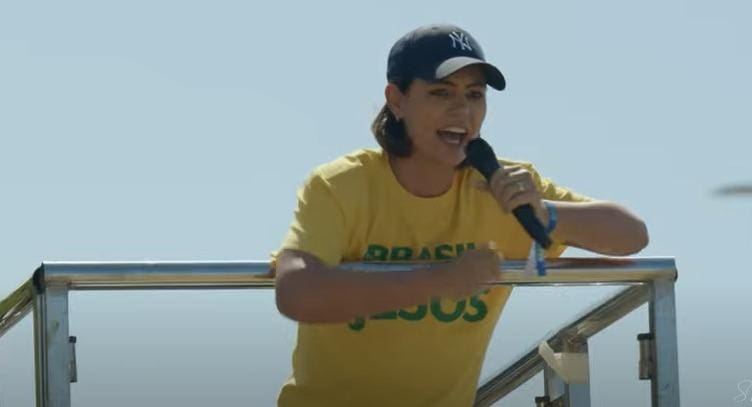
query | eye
(476,94)
(440,92)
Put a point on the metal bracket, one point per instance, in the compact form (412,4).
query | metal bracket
(545,401)
(73,370)
(647,361)
(566,373)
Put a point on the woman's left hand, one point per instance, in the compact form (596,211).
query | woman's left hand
(513,186)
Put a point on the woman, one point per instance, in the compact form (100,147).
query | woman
(418,338)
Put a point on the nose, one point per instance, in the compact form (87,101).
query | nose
(460,106)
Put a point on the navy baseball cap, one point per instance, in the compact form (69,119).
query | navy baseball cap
(436,51)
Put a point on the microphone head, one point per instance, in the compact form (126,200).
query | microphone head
(481,156)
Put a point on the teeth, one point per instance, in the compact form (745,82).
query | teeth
(452,134)
(452,138)
(455,129)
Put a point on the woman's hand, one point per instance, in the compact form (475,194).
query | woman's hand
(513,186)
(469,274)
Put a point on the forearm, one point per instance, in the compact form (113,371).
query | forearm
(322,294)
(601,227)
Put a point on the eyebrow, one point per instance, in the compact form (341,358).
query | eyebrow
(450,83)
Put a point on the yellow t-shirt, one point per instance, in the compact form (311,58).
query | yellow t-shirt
(354,209)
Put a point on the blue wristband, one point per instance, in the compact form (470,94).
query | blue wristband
(553,216)
(536,258)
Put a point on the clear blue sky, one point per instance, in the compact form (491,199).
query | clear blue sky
(181,130)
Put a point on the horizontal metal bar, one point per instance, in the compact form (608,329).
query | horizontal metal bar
(248,274)
(584,326)
(16,306)
(159,274)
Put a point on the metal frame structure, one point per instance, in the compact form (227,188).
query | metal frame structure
(648,280)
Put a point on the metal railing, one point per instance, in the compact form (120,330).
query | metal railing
(648,280)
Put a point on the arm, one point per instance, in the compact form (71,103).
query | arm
(307,290)
(601,227)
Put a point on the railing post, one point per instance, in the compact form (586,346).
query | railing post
(665,378)
(51,342)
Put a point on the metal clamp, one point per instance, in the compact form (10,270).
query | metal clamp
(545,401)
(646,365)
(72,369)
(542,401)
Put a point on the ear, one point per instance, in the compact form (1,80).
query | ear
(395,100)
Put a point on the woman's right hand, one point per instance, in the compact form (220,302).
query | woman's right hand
(468,274)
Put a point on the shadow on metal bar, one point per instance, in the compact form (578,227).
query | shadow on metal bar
(647,279)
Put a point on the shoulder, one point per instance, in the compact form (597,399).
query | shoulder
(348,172)
(349,165)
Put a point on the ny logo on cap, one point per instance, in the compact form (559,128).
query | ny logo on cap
(460,38)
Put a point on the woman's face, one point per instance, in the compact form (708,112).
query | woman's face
(441,117)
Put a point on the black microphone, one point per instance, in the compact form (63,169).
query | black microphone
(482,157)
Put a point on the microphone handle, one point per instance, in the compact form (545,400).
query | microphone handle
(526,216)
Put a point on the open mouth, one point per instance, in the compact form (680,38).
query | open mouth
(452,135)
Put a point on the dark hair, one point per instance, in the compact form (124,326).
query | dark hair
(391,134)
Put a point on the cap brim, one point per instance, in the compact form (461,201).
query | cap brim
(494,78)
